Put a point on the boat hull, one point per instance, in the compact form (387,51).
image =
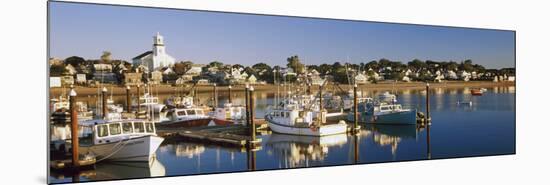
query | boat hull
(323,130)
(141,148)
(405,117)
(186,123)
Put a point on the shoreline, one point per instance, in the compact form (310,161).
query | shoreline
(168,89)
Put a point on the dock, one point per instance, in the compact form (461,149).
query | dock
(227,135)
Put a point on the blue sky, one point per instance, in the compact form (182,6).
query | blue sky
(86,30)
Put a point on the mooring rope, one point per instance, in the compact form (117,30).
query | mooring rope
(122,143)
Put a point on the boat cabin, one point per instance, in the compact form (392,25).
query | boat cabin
(94,132)
(183,114)
(292,117)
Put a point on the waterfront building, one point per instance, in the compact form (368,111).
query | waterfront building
(81,78)
(156,77)
(133,79)
(252,79)
(156,58)
(361,79)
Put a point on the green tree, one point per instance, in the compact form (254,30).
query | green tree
(75,61)
(215,64)
(181,67)
(417,64)
(57,70)
(295,64)
(106,56)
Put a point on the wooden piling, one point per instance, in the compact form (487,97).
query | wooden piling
(356,149)
(74,128)
(429,146)
(247,105)
(252,125)
(320,97)
(138,103)
(104,102)
(215,96)
(355,111)
(128,101)
(229,89)
(427,119)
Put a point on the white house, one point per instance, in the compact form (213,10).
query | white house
(103,67)
(155,59)
(168,71)
(361,79)
(451,75)
(195,70)
(55,81)
(252,79)
(80,78)
(70,69)
(406,79)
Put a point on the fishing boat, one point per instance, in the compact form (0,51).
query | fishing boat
(384,113)
(290,119)
(119,140)
(60,110)
(177,101)
(229,114)
(151,108)
(387,97)
(476,92)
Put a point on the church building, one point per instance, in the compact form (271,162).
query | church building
(155,59)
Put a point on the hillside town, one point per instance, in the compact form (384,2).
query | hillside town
(158,67)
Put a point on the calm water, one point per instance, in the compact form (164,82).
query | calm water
(485,128)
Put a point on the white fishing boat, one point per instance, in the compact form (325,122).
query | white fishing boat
(384,113)
(150,106)
(119,140)
(290,119)
(229,114)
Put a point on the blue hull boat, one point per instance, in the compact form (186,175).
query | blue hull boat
(385,114)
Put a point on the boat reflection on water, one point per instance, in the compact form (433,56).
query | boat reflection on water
(392,135)
(116,170)
(189,150)
(298,151)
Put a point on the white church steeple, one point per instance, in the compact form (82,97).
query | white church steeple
(158,45)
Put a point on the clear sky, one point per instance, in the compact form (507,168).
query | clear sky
(86,30)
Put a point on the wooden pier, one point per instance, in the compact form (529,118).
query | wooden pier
(229,135)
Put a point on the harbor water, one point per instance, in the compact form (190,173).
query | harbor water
(486,127)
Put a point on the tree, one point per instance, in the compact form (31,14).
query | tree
(295,64)
(75,61)
(181,67)
(452,66)
(106,56)
(57,70)
(259,67)
(417,64)
(373,65)
(237,66)
(325,69)
(467,66)
(215,64)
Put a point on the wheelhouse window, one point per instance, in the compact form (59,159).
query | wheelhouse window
(127,128)
(191,112)
(85,135)
(102,131)
(181,113)
(149,127)
(115,129)
(138,127)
